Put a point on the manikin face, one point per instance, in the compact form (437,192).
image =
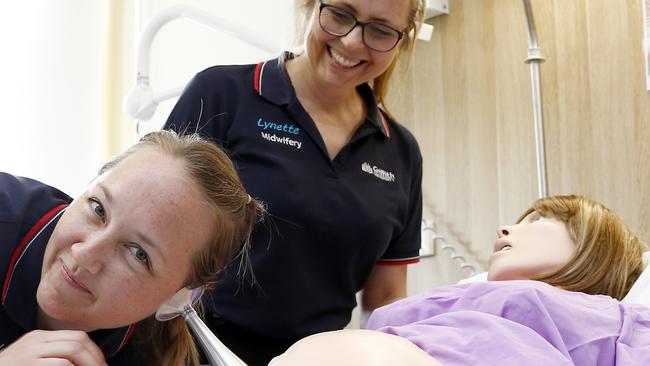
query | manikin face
(346,61)
(535,246)
(124,246)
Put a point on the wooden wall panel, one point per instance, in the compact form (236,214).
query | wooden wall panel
(468,100)
(515,165)
(567,105)
(481,107)
(642,120)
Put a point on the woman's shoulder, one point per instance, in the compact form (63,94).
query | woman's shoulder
(25,200)
(400,134)
(494,295)
(221,81)
(509,299)
(24,203)
(217,74)
(515,289)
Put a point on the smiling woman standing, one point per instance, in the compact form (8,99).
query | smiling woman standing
(310,137)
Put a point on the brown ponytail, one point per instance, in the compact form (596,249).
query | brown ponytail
(173,344)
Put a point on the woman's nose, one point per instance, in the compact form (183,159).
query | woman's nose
(354,39)
(503,231)
(90,254)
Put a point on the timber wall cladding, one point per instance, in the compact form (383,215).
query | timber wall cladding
(467,98)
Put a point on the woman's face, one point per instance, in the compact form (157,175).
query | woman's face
(346,61)
(535,246)
(125,245)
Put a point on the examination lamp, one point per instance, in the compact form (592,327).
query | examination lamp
(141,102)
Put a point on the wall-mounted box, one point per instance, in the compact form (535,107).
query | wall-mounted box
(436,7)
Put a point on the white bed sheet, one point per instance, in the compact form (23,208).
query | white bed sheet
(640,291)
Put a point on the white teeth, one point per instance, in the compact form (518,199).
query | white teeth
(505,248)
(343,61)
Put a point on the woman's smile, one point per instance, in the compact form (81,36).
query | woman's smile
(342,60)
(71,280)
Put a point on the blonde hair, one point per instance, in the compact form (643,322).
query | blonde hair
(235,214)
(608,255)
(305,9)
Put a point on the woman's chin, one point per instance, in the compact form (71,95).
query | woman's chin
(52,320)
(52,315)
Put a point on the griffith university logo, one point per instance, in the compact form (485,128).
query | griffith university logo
(378,172)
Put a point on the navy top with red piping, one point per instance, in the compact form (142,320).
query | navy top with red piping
(29,211)
(330,221)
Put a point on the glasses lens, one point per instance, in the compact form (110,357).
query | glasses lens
(336,21)
(380,37)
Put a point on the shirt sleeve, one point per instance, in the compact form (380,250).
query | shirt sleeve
(23,202)
(405,248)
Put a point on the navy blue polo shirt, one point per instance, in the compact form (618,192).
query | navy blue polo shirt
(329,222)
(29,211)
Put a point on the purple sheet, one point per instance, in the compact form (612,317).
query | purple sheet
(519,323)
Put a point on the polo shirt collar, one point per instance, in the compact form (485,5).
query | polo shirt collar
(271,81)
(20,301)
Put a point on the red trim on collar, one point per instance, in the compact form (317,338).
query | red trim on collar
(126,339)
(256,78)
(23,244)
(385,122)
(398,263)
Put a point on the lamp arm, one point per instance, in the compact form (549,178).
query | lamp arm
(213,21)
(141,102)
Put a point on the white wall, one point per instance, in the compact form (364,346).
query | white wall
(50,90)
(182,48)
(53,69)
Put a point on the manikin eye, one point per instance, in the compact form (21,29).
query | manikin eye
(534,217)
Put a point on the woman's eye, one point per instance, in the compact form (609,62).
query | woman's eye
(139,254)
(379,31)
(340,14)
(97,208)
(534,217)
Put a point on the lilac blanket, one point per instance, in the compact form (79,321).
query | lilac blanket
(519,323)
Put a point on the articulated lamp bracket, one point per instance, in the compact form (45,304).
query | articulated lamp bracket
(141,101)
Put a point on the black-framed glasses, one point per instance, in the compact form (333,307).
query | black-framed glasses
(375,35)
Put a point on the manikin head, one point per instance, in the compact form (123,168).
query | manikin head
(570,242)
